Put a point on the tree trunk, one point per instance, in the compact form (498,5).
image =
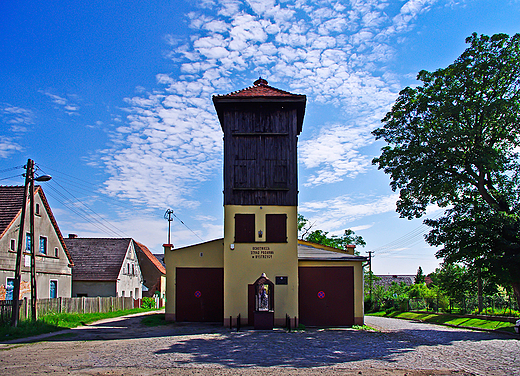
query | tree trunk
(479,292)
(516,291)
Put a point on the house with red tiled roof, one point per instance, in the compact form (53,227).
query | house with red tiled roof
(105,267)
(53,262)
(153,271)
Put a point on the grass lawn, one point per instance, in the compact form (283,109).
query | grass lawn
(436,318)
(54,322)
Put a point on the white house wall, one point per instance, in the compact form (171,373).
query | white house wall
(130,279)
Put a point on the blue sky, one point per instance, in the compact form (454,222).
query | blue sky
(113,99)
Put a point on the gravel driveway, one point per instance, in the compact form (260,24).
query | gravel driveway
(124,347)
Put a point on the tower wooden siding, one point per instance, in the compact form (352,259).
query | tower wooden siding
(260,148)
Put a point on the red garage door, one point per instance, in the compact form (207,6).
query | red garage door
(199,294)
(326,296)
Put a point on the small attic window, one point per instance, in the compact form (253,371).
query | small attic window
(37,209)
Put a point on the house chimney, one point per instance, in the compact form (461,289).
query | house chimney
(73,236)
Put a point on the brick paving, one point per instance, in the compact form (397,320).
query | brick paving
(124,347)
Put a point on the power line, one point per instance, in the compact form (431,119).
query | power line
(79,185)
(407,240)
(187,227)
(11,169)
(11,177)
(100,226)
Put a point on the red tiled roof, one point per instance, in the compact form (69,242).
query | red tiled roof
(259,89)
(150,256)
(97,259)
(11,201)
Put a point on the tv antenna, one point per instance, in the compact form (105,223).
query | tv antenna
(169,217)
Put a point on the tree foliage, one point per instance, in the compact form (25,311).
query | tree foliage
(454,141)
(419,277)
(322,237)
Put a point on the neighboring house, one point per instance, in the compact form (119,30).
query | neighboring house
(104,267)
(387,280)
(53,261)
(152,270)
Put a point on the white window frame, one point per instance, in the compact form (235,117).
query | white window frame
(28,242)
(46,243)
(50,282)
(6,284)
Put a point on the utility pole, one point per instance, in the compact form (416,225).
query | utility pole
(28,190)
(169,217)
(18,267)
(33,246)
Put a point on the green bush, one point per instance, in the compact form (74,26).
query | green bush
(148,303)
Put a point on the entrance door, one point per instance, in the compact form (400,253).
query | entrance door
(326,296)
(199,294)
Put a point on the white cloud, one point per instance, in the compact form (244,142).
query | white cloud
(18,118)
(336,152)
(336,54)
(8,146)
(334,215)
(68,104)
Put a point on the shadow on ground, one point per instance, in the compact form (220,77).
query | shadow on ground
(212,344)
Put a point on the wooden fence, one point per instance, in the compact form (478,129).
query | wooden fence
(69,305)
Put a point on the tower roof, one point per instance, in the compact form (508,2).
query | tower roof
(260,89)
(261,92)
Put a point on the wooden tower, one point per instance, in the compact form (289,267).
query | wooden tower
(261,125)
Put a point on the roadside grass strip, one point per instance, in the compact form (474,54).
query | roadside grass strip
(57,321)
(450,320)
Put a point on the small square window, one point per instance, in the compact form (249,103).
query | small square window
(43,245)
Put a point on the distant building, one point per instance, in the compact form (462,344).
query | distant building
(53,261)
(387,280)
(160,257)
(152,269)
(105,267)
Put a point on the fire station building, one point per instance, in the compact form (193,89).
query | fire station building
(260,273)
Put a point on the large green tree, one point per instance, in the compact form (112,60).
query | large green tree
(454,141)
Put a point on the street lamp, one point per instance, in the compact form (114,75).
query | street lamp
(29,185)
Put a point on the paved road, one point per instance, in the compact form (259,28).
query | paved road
(481,353)
(124,347)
